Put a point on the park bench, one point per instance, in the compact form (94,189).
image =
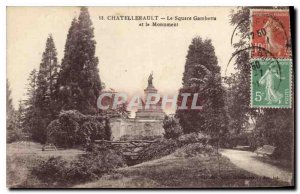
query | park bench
(243,148)
(51,147)
(266,150)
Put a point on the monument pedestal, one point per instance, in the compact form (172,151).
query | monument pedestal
(154,111)
(147,122)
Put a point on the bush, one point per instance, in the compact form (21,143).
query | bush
(51,172)
(73,128)
(93,166)
(55,134)
(160,148)
(56,172)
(242,139)
(164,147)
(193,138)
(195,149)
(172,128)
(13,135)
(275,127)
(139,137)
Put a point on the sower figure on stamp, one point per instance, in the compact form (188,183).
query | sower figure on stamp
(271,27)
(269,79)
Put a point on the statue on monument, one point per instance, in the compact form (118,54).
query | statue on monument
(150,79)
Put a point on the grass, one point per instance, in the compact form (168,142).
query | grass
(172,171)
(21,156)
(180,172)
(280,163)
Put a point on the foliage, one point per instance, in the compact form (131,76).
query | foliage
(139,137)
(51,171)
(56,171)
(17,163)
(30,115)
(238,95)
(10,111)
(14,120)
(79,80)
(195,149)
(271,126)
(160,148)
(192,172)
(73,128)
(193,138)
(275,128)
(163,147)
(41,104)
(55,134)
(172,128)
(11,120)
(47,80)
(13,135)
(233,140)
(202,76)
(76,85)
(92,166)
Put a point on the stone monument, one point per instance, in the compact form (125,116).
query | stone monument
(147,122)
(154,111)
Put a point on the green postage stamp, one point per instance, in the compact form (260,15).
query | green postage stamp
(271,83)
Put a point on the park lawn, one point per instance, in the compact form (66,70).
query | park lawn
(170,171)
(180,172)
(284,164)
(21,156)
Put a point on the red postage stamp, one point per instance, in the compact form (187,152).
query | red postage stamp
(270,31)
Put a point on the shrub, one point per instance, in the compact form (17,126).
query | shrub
(51,172)
(56,172)
(194,149)
(73,128)
(160,148)
(233,140)
(55,134)
(93,166)
(18,168)
(139,137)
(12,135)
(194,138)
(172,128)
(164,147)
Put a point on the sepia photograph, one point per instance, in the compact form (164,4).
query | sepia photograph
(150,97)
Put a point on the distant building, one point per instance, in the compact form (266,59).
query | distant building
(147,122)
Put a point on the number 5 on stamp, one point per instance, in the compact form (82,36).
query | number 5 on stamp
(271,83)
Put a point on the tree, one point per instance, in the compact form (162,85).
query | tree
(79,80)
(73,128)
(239,83)
(41,92)
(10,116)
(202,76)
(271,126)
(172,128)
(10,111)
(65,79)
(47,80)
(20,117)
(30,110)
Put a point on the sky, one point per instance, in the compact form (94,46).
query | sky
(127,52)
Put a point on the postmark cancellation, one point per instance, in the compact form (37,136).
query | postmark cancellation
(271,31)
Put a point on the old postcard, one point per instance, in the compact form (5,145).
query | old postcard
(150,97)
